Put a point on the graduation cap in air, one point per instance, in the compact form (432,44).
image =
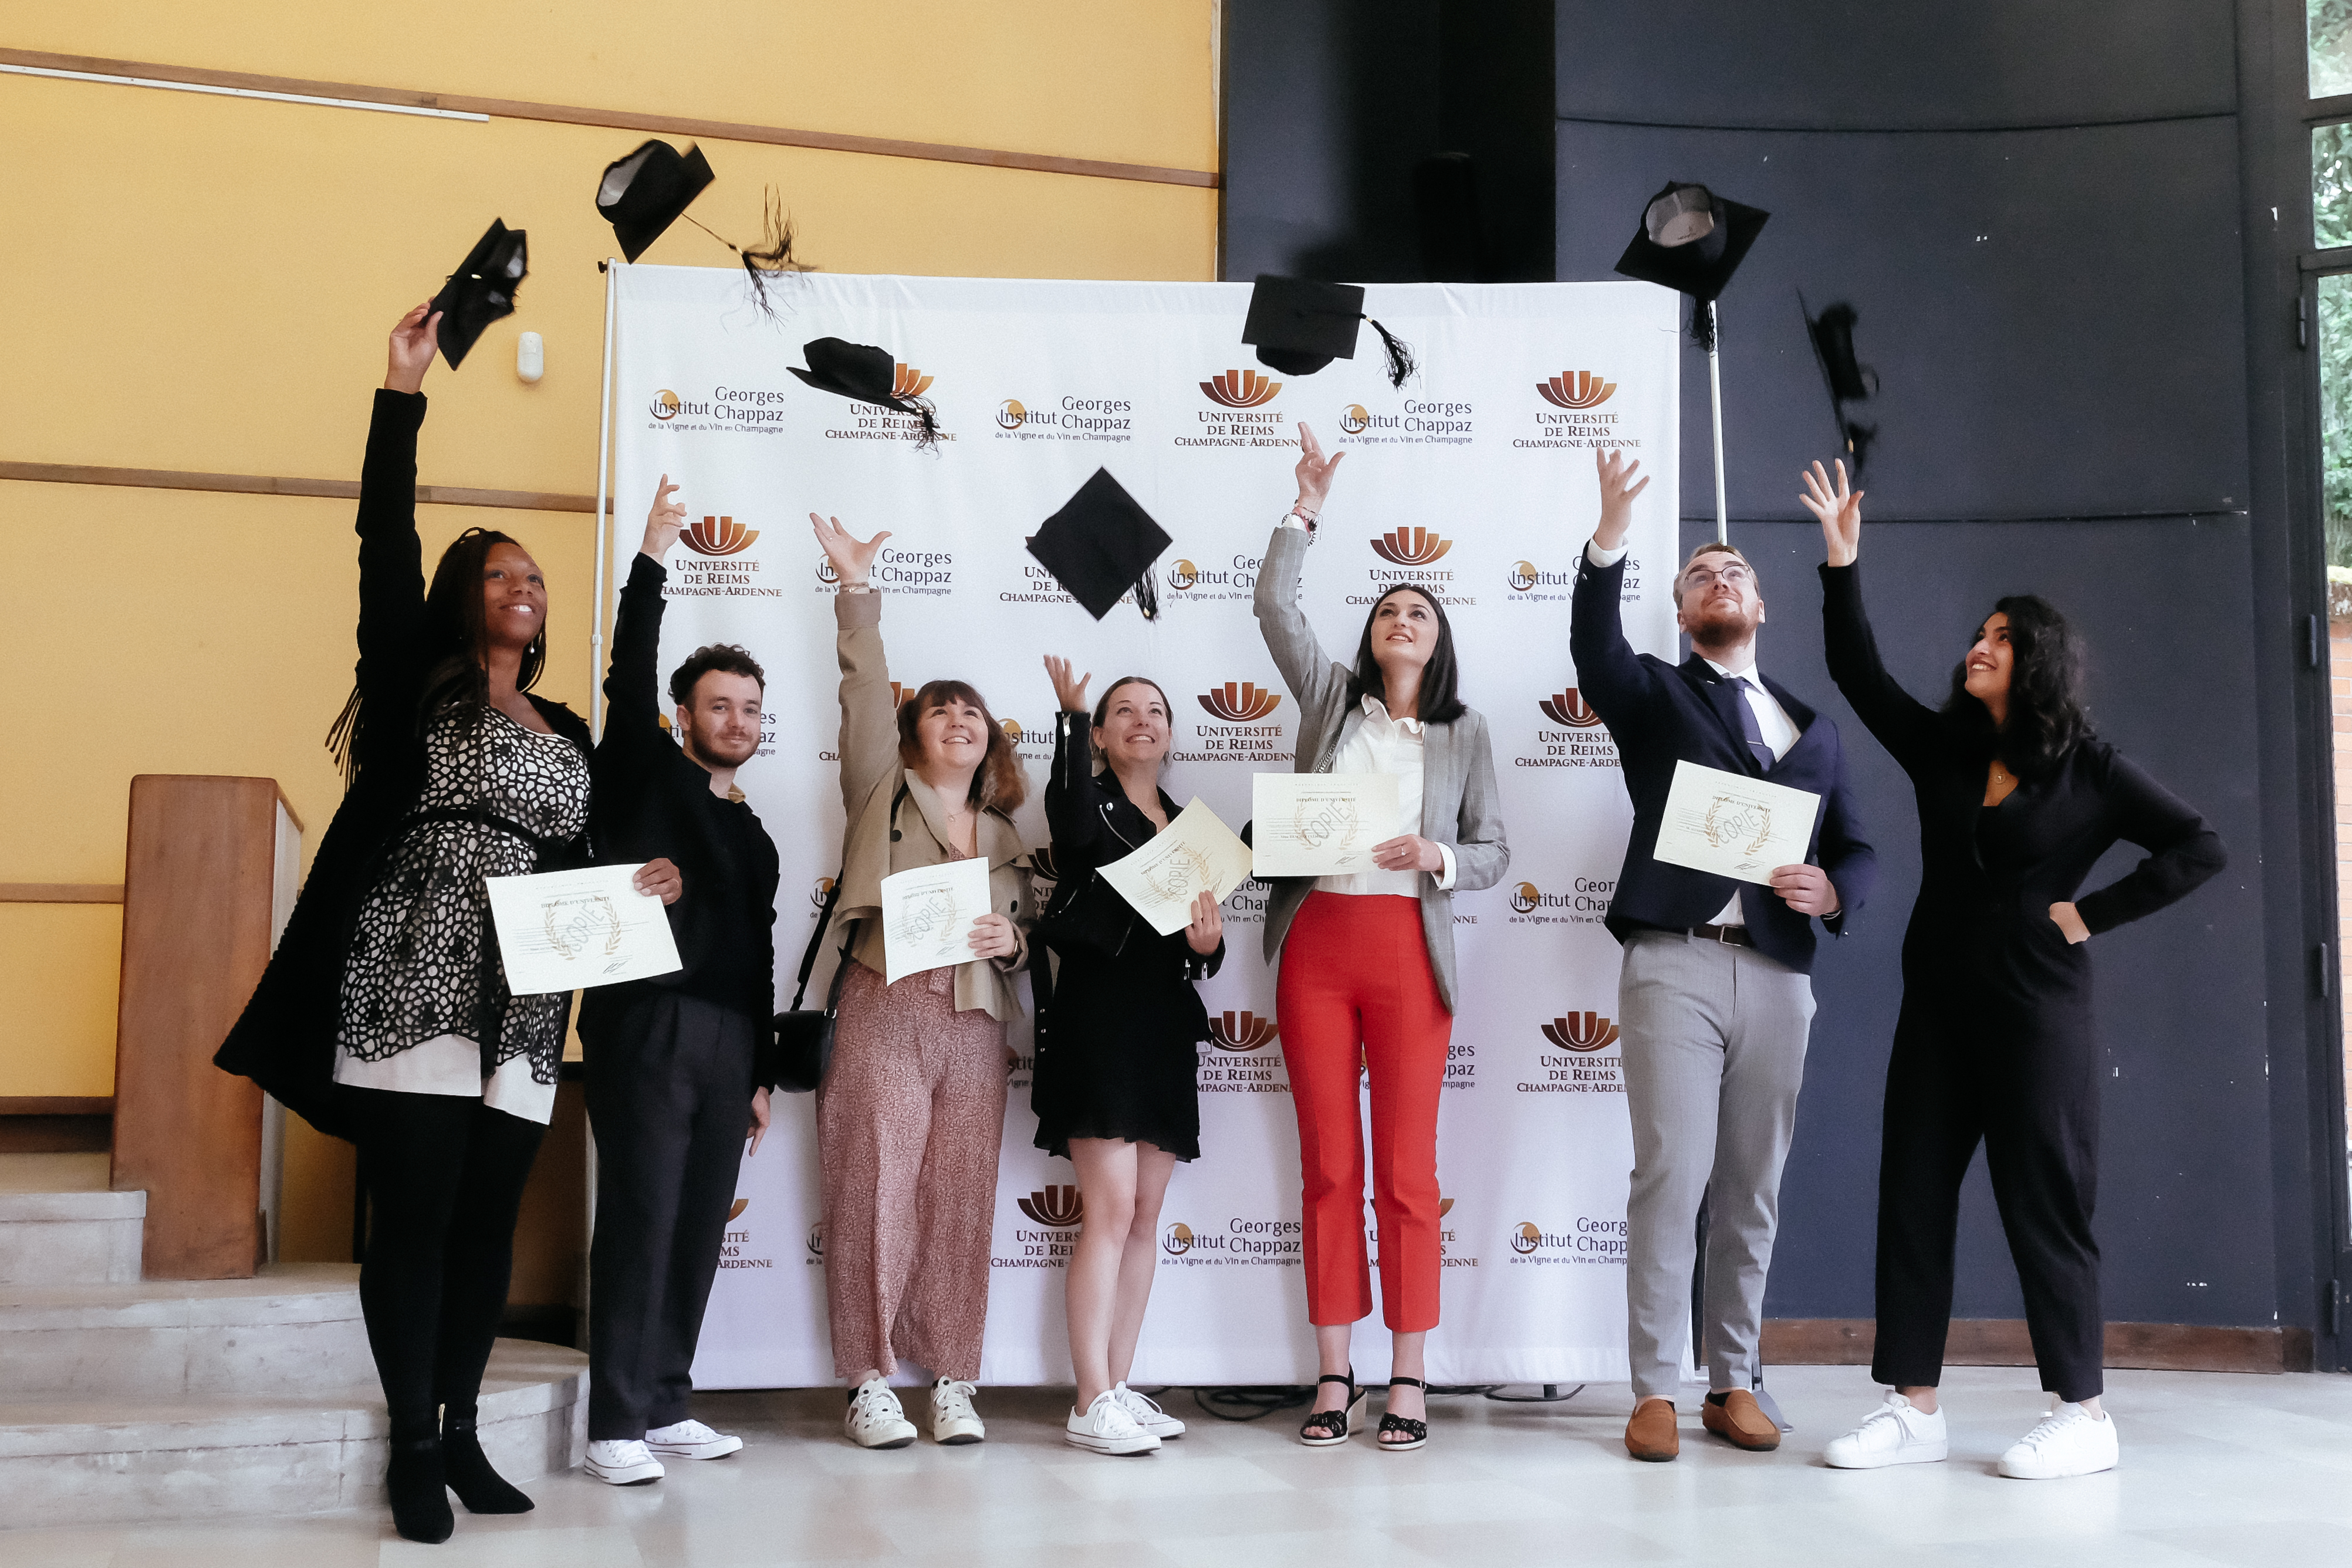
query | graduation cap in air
(1100,544)
(1691,240)
(1832,332)
(868,375)
(482,289)
(1300,326)
(642,194)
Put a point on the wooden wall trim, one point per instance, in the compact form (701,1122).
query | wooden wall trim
(2003,1342)
(619,120)
(282,485)
(59,893)
(57,1105)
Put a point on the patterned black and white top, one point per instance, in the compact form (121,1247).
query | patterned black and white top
(423,968)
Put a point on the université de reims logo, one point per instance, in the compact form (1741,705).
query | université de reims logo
(1569,708)
(1241,389)
(1058,1206)
(1411,546)
(906,381)
(1243,1031)
(1580,1032)
(1576,389)
(718,536)
(1240,701)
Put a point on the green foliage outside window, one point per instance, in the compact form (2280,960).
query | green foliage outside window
(2328,27)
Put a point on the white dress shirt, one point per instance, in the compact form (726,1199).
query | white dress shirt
(1373,742)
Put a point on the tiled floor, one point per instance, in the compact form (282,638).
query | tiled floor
(2253,1470)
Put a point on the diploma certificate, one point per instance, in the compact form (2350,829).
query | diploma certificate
(927,914)
(1320,825)
(560,931)
(1734,826)
(1195,854)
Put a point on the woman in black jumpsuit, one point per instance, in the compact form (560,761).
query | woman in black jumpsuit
(2018,798)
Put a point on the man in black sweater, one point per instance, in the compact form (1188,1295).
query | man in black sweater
(677,1066)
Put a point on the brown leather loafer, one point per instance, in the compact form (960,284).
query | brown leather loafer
(1651,1434)
(1740,1421)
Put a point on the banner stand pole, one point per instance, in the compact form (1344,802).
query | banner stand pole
(603,507)
(1715,403)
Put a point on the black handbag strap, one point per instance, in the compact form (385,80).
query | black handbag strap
(832,897)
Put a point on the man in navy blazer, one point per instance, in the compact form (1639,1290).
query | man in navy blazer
(1714,996)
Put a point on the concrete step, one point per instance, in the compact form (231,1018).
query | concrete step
(292,1328)
(60,1225)
(221,1454)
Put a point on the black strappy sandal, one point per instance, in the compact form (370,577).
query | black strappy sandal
(1326,1428)
(1416,1432)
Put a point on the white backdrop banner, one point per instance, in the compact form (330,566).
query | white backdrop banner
(1477,480)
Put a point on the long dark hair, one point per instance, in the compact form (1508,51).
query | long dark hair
(998,783)
(457,646)
(1439,702)
(2047,715)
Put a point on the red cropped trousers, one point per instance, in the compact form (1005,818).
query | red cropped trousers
(1357,1001)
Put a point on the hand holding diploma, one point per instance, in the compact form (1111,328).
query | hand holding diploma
(560,931)
(1737,826)
(1325,824)
(1195,856)
(934,917)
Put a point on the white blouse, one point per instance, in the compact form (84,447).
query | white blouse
(1373,742)
(452,1064)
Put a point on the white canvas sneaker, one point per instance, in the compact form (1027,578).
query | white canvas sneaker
(2069,1441)
(1146,1413)
(1897,1433)
(691,1440)
(953,1420)
(1108,1429)
(875,1420)
(623,1462)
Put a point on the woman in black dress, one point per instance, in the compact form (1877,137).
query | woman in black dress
(1115,1089)
(2018,798)
(383,1015)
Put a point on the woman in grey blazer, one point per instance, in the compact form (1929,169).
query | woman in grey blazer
(1367,972)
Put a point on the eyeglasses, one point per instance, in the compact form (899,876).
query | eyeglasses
(1731,576)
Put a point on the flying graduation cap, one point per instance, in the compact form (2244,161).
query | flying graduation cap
(1100,544)
(482,289)
(1300,326)
(642,194)
(1832,332)
(1691,240)
(864,373)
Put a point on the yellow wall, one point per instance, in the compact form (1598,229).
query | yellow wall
(204,283)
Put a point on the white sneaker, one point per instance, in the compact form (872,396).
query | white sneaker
(1146,1413)
(691,1440)
(953,1420)
(623,1463)
(1897,1433)
(1108,1429)
(2069,1441)
(875,1420)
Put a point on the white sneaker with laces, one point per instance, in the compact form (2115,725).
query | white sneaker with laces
(875,1420)
(623,1462)
(953,1420)
(1108,1429)
(2069,1441)
(1146,1413)
(1897,1433)
(691,1440)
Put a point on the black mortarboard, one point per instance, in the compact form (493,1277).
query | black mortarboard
(1100,544)
(1691,240)
(1298,326)
(482,289)
(1833,335)
(866,375)
(645,193)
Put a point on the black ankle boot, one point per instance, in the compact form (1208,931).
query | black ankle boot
(420,1496)
(481,1488)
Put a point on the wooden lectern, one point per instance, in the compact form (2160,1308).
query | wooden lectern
(209,876)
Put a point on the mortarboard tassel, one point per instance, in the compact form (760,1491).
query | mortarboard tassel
(1401,366)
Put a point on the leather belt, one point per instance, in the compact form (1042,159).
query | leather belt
(1736,935)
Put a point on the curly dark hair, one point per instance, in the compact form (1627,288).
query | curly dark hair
(720,655)
(1439,702)
(2047,715)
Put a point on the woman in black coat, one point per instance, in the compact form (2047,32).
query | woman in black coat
(384,1016)
(2018,798)
(1115,1089)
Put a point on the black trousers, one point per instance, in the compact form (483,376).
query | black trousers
(2026,1086)
(445,1175)
(669,1086)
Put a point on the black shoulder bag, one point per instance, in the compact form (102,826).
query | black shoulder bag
(804,1034)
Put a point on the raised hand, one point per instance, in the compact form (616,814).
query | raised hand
(663,521)
(415,342)
(1070,693)
(1314,471)
(1841,513)
(1617,492)
(851,558)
